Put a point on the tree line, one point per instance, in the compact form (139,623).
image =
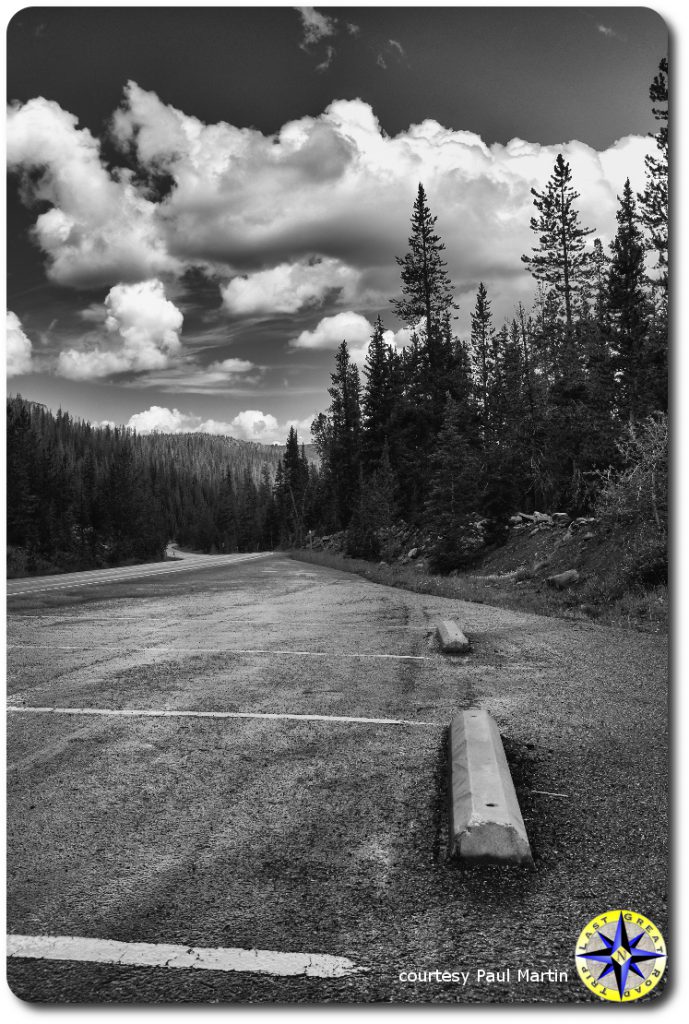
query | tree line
(531,414)
(81,496)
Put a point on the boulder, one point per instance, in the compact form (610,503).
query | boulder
(543,517)
(561,518)
(582,521)
(413,553)
(563,579)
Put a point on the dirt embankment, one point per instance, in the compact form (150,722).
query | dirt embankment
(549,564)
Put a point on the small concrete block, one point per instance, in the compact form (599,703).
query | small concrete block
(486,825)
(452,640)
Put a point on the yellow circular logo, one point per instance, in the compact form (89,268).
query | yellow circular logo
(621,956)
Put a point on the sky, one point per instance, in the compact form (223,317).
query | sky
(204,202)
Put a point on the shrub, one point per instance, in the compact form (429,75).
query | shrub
(634,499)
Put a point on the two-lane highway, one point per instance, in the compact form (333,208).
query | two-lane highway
(95,577)
(228,784)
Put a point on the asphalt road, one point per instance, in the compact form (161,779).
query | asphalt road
(316,834)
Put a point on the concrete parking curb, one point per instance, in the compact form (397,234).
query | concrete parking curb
(486,825)
(452,639)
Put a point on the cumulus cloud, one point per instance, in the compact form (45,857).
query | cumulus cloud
(249,425)
(316,26)
(351,327)
(18,347)
(100,228)
(142,333)
(336,185)
(289,287)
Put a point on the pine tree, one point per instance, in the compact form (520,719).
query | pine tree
(654,200)
(377,397)
(226,515)
(455,490)
(560,260)
(338,435)
(426,289)
(483,352)
(295,483)
(628,306)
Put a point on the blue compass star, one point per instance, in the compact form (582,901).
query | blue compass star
(621,955)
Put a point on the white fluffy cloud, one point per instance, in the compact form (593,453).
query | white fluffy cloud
(338,186)
(249,425)
(351,327)
(332,186)
(100,229)
(18,347)
(290,287)
(142,333)
(331,331)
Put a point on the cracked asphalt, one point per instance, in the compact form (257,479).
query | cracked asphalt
(319,837)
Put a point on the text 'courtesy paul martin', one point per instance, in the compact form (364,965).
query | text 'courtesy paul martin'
(483,976)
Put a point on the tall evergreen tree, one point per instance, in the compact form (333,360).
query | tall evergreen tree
(377,397)
(560,260)
(654,199)
(628,306)
(483,352)
(338,435)
(296,485)
(426,289)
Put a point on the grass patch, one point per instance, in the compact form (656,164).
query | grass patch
(642,610)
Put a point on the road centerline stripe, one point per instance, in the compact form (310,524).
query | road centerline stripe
(159,954)
(169,713)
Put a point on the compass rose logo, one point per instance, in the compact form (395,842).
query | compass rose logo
(621,955)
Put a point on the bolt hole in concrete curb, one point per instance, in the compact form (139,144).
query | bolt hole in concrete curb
(480,779)
(452,639)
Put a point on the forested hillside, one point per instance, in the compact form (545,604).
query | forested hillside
(80,496)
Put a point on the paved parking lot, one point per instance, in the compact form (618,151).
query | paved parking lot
(228,784)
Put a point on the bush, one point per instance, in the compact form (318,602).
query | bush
(634,500)
(637,493)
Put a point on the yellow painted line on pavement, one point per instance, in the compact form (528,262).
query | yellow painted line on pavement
(167,713)
(162,954)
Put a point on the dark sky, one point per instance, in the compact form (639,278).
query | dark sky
(543,74)
(548,76)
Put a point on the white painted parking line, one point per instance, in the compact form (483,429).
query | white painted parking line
(161,954)
(222,650)
(167,713)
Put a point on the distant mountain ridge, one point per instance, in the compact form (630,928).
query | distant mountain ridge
(212,454)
